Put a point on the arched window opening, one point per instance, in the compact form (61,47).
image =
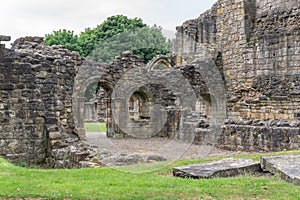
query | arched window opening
(161,65)
(91,91)
(138,107)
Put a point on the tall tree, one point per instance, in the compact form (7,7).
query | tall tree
(110,27)
(145,42)
(116,34)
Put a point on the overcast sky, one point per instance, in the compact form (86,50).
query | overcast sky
(38,17)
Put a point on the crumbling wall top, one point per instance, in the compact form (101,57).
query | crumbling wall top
(2,46)
(5,38)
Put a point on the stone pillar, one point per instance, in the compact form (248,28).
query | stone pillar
(90,112)
(80,117)
(116,117)
(179,40)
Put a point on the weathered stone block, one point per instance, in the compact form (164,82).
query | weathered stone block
(5,38)
(286,166)
(6,86)
(223,168)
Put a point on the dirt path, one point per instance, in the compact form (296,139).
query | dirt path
(169,149)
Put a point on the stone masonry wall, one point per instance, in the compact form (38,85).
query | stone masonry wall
(265,6)
(258,43)
(36,120)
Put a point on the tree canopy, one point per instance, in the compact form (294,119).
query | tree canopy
(110,38)
(63,37)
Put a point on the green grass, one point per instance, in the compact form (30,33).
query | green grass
(95,127)
(110,183)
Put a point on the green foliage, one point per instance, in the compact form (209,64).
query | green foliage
(91,38)
(23,164)
(255,134)
(86,41)
(145,42)
(63,37)
(110,38)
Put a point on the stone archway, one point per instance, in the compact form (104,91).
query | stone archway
(97,108)
(160,62)
(106,76)
(89,73)
(135,81)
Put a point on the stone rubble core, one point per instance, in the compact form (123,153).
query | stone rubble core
(286,166)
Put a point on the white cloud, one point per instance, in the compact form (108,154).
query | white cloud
(20,18)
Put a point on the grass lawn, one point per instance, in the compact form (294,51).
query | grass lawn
(110,183)
(95,127)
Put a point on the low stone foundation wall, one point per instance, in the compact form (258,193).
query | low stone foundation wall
(258,135)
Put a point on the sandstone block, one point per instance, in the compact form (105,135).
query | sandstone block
(223,168)
(286,166)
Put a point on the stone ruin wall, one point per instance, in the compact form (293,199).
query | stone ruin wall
(258,44)
(255,45)
(36,120)
(140,79)
(106,77)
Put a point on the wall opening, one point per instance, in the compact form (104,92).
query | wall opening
(203,106)
(97,112)
(90,104)
(161,65)
(138,107)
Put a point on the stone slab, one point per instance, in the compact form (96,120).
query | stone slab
(222,168)
(287,166)
(5,38)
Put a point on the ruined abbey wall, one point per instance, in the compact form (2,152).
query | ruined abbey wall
(239,62)
(36,119)
(258,43)
(138,94)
